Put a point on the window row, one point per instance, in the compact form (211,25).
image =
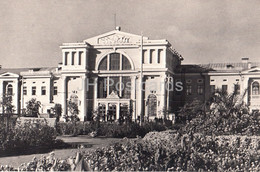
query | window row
(121,86)
(114,61)
(43,90)
(109,113)
(73,59)
(200,89)
(189,81)
(151,56)
(224,88)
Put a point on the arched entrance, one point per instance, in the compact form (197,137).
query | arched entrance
(152,105)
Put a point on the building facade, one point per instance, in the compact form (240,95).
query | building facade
(113,73)
(201,81)
(118,73)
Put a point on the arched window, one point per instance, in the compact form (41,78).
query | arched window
(9,89)
(125,64)
(116,62)
(103,64)
(255,88)
(152,105)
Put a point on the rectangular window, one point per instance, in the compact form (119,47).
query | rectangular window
(66,58)
(212,89)
(126,87)
(80,55)
(55,90)
(114,85)
(102,112)
(152,56)
(24,90)
(33,90)
(144,54)
(102,90)
(237,88)
(43,90)
(159,56)
(188,89)
(224,88)
(72,58)
(200,89)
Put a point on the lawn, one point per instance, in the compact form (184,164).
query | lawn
(85,143)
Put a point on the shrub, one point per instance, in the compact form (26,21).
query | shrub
(26,136)
(170,151)
(32,108)
(107,129)
(69,128)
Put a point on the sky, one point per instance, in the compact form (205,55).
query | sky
(202,31)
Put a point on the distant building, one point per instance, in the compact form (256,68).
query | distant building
(97,74)
(104,74)
(201,81)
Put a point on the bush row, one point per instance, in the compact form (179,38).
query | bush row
(161,151)
(26,136)
(116,130)
(170,151)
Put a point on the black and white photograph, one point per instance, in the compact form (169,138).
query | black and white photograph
(130,85)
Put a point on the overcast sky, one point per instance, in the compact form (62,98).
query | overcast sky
(203,31)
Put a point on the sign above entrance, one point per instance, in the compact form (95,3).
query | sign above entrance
(114,40)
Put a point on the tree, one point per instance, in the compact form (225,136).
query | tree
(191,110)
(7,105)
(57,109)
(226,114)
(8,109)
(73,112)
(73,115)
(227,104)
(32,108)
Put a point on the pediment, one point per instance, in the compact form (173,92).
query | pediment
(113,95)
(9,74)
(252,70)
(115,37)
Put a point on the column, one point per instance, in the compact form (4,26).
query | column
(95,93)
(22,97)
(76,58)
(133,96)
(69,58)
(244,87)
(162,93)
(83,109)
(15,96)
(64,58)
(117,111)
(1,94)
(106,111)
(149,56)
(139,97)
(156,55)
(64,95)
(168,91)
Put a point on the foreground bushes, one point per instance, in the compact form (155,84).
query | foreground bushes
(172,152)
(162,151)
(130,130)
(26,136)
